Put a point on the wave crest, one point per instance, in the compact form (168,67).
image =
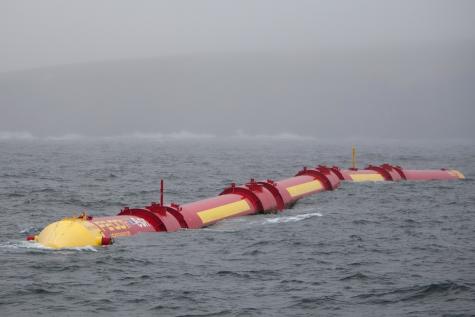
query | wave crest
(66,137)
(277,136)
(138,135)
(12,135)
(292,218)
(444,290)
(180,135)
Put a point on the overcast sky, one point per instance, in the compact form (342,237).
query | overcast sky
(40,33)
(319,68)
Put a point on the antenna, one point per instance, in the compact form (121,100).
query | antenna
(161,192)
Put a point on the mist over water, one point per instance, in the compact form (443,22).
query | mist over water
(383,93)
(392,248)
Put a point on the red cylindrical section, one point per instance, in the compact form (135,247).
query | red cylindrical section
(297,187)
(343,175)
(325,175)
(253,197)
(169,216)
(333,178)
(208,211)
(122,226)
(386,171)
(271,186)
(265,196)
(161,220)
(246,192)
(394,173)
(262,195)
(395,170)
(365,175)
(432,174)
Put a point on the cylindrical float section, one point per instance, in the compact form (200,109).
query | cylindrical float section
(162,218)
(360,175)
(255,197)
(433,174)
(251,198)
(387,172)
(307,182)
(208,211)
(80,232)
(299,186)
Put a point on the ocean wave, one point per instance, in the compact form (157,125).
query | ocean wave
(417,292)
(12,135)
(66,137)
(277,136)
(180,135)
(315,302)
(25,135)
(138,135)
(355,276)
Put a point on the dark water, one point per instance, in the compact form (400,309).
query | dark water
(364,250)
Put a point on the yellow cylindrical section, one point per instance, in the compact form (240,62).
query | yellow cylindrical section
(367,177)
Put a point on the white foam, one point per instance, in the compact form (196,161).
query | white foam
(292,218)
(29,230)
(66,137)
(277,136)
(86,248)
(23,245)
(15,135)
(35,245)
(180,135)
(138,135)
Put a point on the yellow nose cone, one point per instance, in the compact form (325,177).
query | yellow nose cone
(457,174)
(70,233)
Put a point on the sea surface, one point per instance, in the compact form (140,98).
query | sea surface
(372,249)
